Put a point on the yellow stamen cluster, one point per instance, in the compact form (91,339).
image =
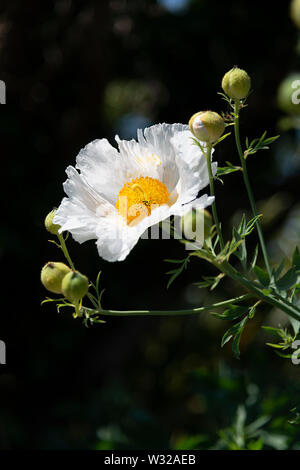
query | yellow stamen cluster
(141,195)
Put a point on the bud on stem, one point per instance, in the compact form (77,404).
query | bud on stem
(236,84)
(52,275)
(75,286)
(207,126)
(50,225)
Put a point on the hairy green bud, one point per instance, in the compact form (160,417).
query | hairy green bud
(236,83)
(52,275)
(74,286)
(50,225)
(196,225)
(207,126)
(295,12)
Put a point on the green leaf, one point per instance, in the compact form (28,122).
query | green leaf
(237,338)
(262,276)
(296,259)
(55,243)
(295,324)
(242,225)
(221,138)
(229,334)
(176,272)
(49,299)
(241,254)
(276,346)
(253,262)
(97,282)
(232,312)
(274,331)
(235,332)
(277,272)
(226,170)
(259,144)
(210,281)
(251,224)
(288,280)
(252,311)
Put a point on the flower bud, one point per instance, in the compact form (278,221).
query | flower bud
(295,12)
(74,286)
(50,226)
(196,225)
(207,126)
(52,276)
(288,97)
(236,83)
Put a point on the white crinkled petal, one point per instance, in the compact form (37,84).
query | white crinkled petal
(156,216)
(199,203)
(80,212)
(73,216)
(153,154)
(159,139)
(137,160)
(114,239)
(100,164)
(192,166)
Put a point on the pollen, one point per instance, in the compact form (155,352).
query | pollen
(139,197)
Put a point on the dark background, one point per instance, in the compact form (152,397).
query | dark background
(80,70)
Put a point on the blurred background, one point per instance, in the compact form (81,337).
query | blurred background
(80,70)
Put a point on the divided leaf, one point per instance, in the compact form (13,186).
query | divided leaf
(232,312)
(177,271)
(235,332)
(261,143)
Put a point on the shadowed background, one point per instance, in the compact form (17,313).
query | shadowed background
(80,70)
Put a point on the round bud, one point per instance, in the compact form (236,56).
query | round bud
(74,286)
(50,225)
(295,12)
(52,275)
(288,97)
(207,126)
(236,83)
(196,225)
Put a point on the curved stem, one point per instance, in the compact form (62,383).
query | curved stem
(248,186)
(126,313)
(65,250)
(254,291)
(212,193)
(281,304)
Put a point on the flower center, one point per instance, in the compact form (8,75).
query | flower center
(141,195)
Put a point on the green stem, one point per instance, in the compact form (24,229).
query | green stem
(126,313)
(65,250)
(253,292)
(212,193)
(281,304)
(248,186)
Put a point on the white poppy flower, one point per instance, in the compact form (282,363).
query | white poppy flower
(117,195)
